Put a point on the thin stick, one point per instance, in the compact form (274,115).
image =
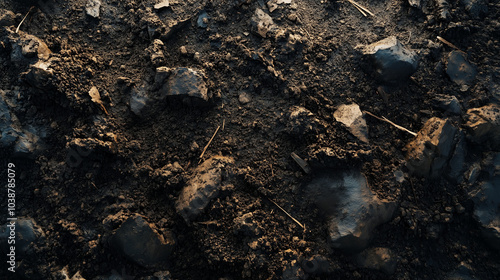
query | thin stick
(447,43)
(17,29)
(361,7)
(302,163)
(361,11)
(206,147)
(393,124)
(295,220)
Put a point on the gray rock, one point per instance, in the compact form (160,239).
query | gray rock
(203,186)
(6,17)
(447,103)
(476,8)
(456,165)
(139,101)
(460,70)
(378,259)
(353,210)
(27,232)
(316,265)
(352,117)
(430,151)
(486,198)
(393,62)
(484,125)
(203,20)
(262,24)
(187,84)
(141,243)
(93,8)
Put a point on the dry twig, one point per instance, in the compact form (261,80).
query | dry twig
(360,8)
(391,123)
(448,43)
(206,147)
(295,220)
(17,29)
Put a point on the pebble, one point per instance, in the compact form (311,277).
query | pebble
(262,24)
(188,84)
(484,125)
(352,117)
(244,97)
(392,61)
(93,8)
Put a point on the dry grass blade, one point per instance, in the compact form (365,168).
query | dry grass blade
(359,7)
(206,147)
(448,43)
(295,220)
(17,29)
(391,123)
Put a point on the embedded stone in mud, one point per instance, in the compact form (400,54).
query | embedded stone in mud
(484,125)
(430,151)
(460,70)
(186,83)
(352,117)
(393,62)
(353,210)
(141,243)
(202,187)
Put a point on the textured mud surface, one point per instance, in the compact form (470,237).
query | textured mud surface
(107,106)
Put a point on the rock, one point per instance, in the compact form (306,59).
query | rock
(378,259)
(262,23)
(203,20)
(353,210)
(316,265)
(352,117)
(139,101)
(162,4)
(476,8)
(460,70)
(203,186)
(447,103)
(39,75)
(393,62)
(244,98)
(28,234)
(484,125)
(6,17)
(429,152)
(188,84)
(26,46)
(301,121)
(456,165)
(486,198)
(141,243)
(93,8)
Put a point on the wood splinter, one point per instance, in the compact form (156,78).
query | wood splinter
(206,147)
(295,220)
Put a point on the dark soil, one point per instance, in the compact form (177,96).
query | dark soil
(320,69)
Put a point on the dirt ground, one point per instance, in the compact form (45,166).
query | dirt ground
(312,60)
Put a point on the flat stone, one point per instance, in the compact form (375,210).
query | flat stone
(353,210)
(447,103)
(138,241)
(484,125)
(393,62)
(352,117)
(460,70)
(139,101)
(377,258)
(187,84)
(262,23)
(430,151)
(27,232)
(203,186)
(93,8)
